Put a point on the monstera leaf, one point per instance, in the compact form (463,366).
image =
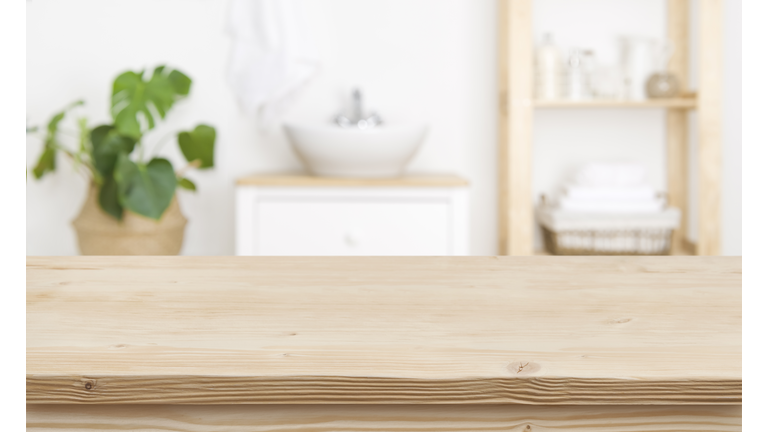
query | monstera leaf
(107,144)
(145,189)
(198,145)
(133,98)
(109,197)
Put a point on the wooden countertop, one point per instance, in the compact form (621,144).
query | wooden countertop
(244,330)
(301,180)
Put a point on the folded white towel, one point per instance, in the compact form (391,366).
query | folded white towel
(272,55)
(652,205)
(609,193)
(611,175)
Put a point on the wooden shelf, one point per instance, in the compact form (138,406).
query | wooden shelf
(687,103)
(518,105)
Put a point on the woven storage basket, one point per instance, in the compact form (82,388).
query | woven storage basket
(100,234)
(571,233)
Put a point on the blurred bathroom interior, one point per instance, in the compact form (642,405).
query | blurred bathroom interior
(373,127)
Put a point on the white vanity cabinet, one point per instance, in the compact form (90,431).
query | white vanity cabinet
(317,216)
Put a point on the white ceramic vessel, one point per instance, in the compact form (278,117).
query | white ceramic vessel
(329,150)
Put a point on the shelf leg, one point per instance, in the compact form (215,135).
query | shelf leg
(503,128)
(516,89)
(710,125)
(678,13)
(677,174)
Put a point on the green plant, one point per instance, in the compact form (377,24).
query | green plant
(113,155)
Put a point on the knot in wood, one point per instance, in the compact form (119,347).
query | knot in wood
(523,367)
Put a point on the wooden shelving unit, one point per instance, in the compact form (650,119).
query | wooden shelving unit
(517,107)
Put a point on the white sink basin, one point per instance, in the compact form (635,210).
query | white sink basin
(329,150)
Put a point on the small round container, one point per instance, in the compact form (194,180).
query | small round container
(662,85)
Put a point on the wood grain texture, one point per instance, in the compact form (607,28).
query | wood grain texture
(682,103)
(196,389)
(372,418)
(527,330)
(678,28)
(518,214)
(710,125)
(298,180)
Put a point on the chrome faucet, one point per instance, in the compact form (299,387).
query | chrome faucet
(359,120)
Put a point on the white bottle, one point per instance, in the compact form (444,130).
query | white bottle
(577,77)
(549,70)
(637,64)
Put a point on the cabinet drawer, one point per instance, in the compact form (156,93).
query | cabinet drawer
(352,227)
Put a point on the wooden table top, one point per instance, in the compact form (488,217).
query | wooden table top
(527,330)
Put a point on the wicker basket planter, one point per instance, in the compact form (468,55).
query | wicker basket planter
(100,234)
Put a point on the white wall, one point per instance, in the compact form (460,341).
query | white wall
(431,60)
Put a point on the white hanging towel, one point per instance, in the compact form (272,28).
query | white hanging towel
(272,57)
